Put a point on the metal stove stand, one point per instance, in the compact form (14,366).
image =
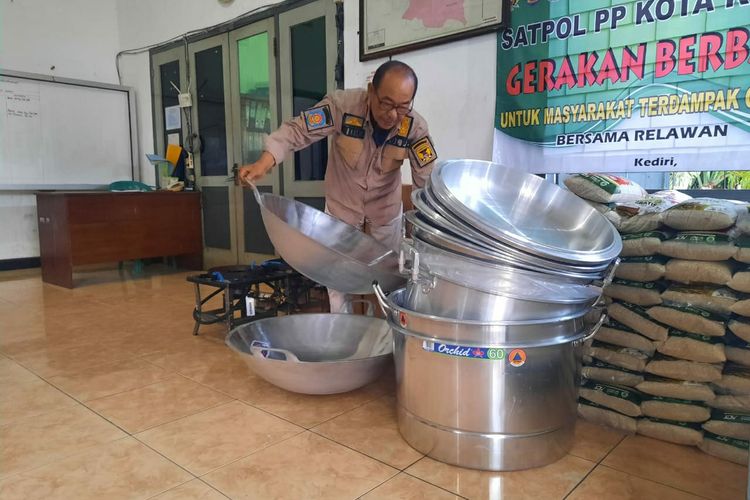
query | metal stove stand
(286,291)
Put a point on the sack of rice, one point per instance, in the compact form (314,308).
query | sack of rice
(711,298)
(742,306)
(697,271)
(735,380)
(599,371)
(638,319)
(680,410)
(740,327)
(703,246)
(743,248)
(678,389)
(741,280)
(743,222)
(604,188)
(643,244)
(737,350)
(726,448)
(648,268)
(616,333)
(588,410)
(681,369)
(635,292)
(689,319)
(731,403)
(693,347)
(624,357)
(685,433)
(701,214)
(644,214)
(602,208)
(733,425)
(621,399)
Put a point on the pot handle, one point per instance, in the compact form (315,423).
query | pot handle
(257,348)
(611,272)
(382,300)
(595,329)
(369,311)
(256,193)
(606,281)
(402,258)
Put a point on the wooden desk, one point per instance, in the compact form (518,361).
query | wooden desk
(77,228)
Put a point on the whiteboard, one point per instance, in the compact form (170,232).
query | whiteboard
(64,134)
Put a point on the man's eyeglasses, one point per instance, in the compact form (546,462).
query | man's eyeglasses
(387,107)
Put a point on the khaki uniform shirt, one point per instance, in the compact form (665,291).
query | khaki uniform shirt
(362,181)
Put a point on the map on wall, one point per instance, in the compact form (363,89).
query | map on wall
(392,26)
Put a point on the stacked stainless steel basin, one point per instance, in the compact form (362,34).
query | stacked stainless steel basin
(504,270)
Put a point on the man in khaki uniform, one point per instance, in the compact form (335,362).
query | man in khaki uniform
(373,131)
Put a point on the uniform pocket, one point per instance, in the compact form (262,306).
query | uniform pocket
(393,157)
(350,149)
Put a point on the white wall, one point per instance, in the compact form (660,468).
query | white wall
(79,39)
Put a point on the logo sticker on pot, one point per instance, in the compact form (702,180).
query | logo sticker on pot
(461,351)
(402,319)
(517,357)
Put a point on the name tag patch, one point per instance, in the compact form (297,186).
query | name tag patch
(424,151)
(353,126)
(318,118)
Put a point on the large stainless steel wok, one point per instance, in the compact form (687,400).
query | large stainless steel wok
(315,353)
(326,249)
(526,212)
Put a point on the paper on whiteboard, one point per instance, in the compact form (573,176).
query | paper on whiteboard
(173,139)
(20,132)
(172,117)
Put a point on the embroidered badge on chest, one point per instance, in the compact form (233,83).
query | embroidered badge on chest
(401,139)
(405,127)
(424,151)
(353,126)
(318,118)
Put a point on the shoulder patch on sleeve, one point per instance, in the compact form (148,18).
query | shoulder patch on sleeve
(424,151)
(318,118)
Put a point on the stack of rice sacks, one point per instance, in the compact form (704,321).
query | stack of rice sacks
(673,360)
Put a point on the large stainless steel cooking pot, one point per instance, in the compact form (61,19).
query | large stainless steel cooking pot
(424,262)
(495,333)
(315,353)
(326,249)
(525,211)
(472,396)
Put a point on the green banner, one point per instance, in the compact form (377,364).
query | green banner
(615,85)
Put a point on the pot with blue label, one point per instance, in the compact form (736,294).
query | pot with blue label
(492,395)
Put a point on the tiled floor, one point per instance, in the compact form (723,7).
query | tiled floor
(105,394)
